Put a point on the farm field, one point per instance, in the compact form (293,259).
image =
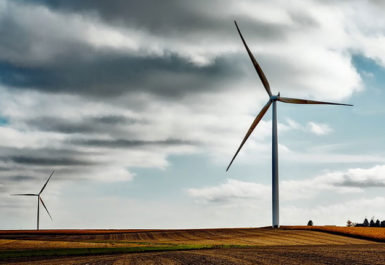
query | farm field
(372,233)
(317,255)
(290,245)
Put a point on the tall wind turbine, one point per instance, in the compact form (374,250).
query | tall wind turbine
(272,100)
(39,199)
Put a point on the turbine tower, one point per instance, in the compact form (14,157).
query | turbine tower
(39,199)
(272,100)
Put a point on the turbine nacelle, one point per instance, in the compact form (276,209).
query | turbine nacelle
(274,98)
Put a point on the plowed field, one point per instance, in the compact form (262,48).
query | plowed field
(195,246)
(298,255)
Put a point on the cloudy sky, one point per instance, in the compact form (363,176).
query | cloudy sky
(140,105)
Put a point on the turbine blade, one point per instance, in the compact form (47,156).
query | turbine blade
(255,63)
(25,194)
(45,207)
(251,129)
(306,101)
(46,182)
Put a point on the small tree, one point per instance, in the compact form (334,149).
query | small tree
(366,222)
(383,223)
(378,224)
(349,223)
(372,224)
(310,223)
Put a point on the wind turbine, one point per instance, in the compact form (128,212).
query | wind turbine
(272,100)
(39,199)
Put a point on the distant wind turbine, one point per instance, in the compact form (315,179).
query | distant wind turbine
(39,199)
(272,100)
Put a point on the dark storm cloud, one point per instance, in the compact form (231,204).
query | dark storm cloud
(113,74)
(156,16)
(115,120)
(60,125)
(45,157)
(102,124)
(48,161)
(77,68)
(123,143)
(186,19)
(26,165)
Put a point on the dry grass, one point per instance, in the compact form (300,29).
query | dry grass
(154,238)
(6,244)
(373,233)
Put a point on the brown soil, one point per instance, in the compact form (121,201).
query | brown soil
(230,246)
(325,254)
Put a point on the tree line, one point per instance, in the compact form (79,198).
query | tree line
(366,223)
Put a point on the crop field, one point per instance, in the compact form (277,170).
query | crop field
(372,233)
(290,245)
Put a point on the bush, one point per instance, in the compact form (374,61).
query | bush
(310,223)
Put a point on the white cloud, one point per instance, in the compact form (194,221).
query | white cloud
(313,127)
(293,124)
(231,190)
(319,128)
(348,181)
(110,174)
(360,177)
